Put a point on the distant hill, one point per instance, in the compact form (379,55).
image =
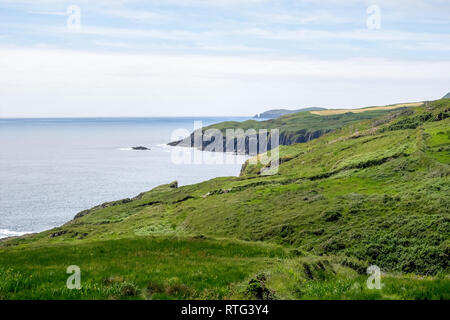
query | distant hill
(447,96)
(275,113)
(298,127)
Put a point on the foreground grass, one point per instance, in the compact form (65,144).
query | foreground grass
(190,268)
(133,268)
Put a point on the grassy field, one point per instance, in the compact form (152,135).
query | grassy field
(342,111)
(195,268)
(374,190)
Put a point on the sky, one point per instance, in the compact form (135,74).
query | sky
(133,58)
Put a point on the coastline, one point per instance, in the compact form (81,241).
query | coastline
(320,216)
(10,234)
(6,233)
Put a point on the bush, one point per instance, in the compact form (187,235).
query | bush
(331,215)
(257,289)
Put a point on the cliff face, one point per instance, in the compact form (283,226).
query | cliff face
(293,128)
(288,138)
(237,145)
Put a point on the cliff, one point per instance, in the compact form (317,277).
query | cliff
(294,128)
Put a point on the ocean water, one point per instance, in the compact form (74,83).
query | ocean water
(51,169)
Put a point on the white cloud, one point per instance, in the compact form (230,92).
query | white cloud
(113,44)
(122,3)
(317,18)
(434,40)
(139,15)
(231,48)
(212,3)
(48,13)
(38,82)
(181,35)
(361,34)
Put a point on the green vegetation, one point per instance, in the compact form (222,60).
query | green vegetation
(275,113)
(293,128)
(374,190)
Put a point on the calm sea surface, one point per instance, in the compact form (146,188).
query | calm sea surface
(50,169)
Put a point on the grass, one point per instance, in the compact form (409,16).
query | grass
(374,190)
(297,127)
(393,288)
(190,268)
(157,268)
(342,111)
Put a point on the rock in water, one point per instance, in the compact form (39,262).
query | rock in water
(140,148)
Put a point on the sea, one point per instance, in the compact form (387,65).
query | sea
(51,169)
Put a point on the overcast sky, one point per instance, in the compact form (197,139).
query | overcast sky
(218,57)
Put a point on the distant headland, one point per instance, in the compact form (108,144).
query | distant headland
(275,113)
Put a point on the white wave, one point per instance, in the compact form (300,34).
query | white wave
(125,149)
(5,233)
(165,147)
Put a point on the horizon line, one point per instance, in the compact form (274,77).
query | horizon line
(120,117)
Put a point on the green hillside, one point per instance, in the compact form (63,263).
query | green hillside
(275,113)
(375,189)
(293,128)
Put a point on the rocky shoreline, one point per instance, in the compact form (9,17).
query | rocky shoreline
(285,138)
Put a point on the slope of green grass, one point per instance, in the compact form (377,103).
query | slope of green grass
(194,268)
(301,122)
(293,128)
(375,191)
(144,267)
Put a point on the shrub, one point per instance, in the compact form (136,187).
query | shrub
(256,288)
(331,215)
